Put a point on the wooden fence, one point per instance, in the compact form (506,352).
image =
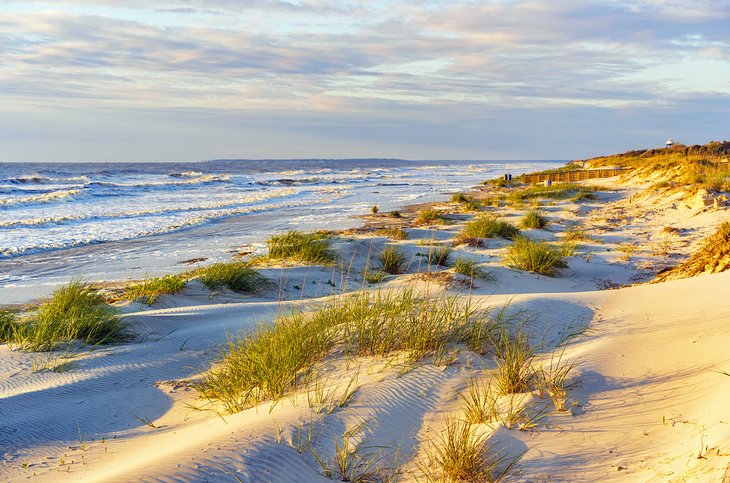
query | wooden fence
(576,175)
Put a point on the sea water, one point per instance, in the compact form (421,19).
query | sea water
(113,221)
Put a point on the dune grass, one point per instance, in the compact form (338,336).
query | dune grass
(439,256)
(301,247)
(373,277)
(429,217)
(534,256)
(73,312)
(489,227)
(151,289)
(265,363)
(391,260)
(236,275)
(558,191)
(468,202)
(7,325)
(576,234)
(394,233)
(712,257)
(269,361)
(534,219)
(469,268)
(460,453)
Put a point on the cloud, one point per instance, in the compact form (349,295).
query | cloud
(410,63)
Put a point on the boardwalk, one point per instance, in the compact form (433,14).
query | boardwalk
(576,175)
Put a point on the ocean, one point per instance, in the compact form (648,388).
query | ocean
(114,221)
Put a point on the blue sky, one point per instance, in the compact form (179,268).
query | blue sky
(186,80)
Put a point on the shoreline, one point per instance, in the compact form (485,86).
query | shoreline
(633,409)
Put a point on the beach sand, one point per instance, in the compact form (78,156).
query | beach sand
(648,403)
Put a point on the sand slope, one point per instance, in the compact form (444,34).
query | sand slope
(651,405)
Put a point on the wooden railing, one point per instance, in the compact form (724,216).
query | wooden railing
(576,175)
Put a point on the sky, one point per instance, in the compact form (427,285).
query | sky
(188,80)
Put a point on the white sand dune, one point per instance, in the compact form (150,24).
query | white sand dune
(651,403)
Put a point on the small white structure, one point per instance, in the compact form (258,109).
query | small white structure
(670,143)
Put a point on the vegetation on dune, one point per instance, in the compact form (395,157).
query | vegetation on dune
(488,227)
(391,260)
(439,256)
(688,167)
(468,202)
(236,275)
(534,219)
(469,268)
(7,325)
(302,247)
(712,257)
(557,191)
(73,312)
(429,217)
(151,289)
(394,233)
(271,360)
(534,256)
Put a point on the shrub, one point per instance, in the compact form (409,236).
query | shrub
(302,247)
(395,214)
(429,217)
(374,209)
(391,260)
(73,312)
(534,256)
(150,289)
(439,256)
(489,227)
(534,219)
(236,275)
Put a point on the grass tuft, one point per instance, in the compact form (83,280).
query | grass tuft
(391,260)
(534,219)
(302,247)
(236,275)
(439,256)
(429,217)
(151,289)
(460,453)
(73,312)
(394,233)
(489,227)
(471,270)
(267,362)
(534,256)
